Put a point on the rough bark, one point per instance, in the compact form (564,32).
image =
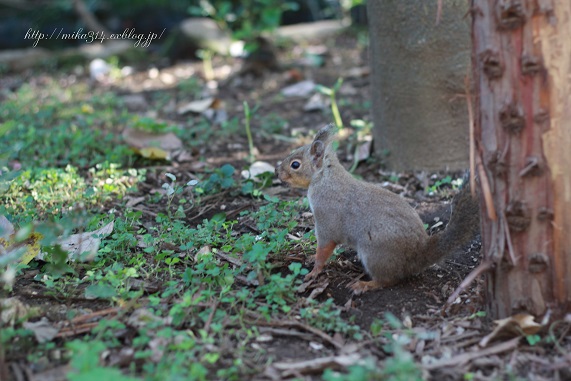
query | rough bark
(417,82)
(522,70)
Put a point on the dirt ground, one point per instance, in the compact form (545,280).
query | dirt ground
(452,351)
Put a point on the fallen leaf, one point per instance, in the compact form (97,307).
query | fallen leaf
(157,347)
(142,316)
(216,116)
(363,151)
(318,290)
(7,236)
(86,109)
(132,201)
(43,330)
(257,168)
(32,248)
(154,153)
(198,106)
(347,90)
(151,145)
(12,310)
(122,358)
(300,89)
(317,102)
(512,326)
(83,246)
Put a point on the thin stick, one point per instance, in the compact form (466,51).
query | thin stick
(469,356)
(485,266)
(298,325)
(211,316)
(92,315)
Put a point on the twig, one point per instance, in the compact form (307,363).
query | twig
(202,212)
(298,325)
(485,266)
(469,356)
(107,311)
(77,330)
(285,332)
(299,368)
(211,316)
(229,259)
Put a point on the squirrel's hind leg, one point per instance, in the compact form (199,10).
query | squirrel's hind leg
(360,287)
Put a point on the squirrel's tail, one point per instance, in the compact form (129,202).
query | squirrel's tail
(463,227)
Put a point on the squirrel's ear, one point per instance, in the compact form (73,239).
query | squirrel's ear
(322,139)
(326,134)
(320,142)
(316,151)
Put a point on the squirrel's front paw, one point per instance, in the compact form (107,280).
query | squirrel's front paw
(313,274)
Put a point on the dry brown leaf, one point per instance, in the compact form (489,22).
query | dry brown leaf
(512,326)
(13,309)
(151,145)
(318,290)
(83,246)
(132,201)
(44,331)
(300,89)
(199,106)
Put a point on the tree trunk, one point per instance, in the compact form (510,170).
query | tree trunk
(522,70)
(417,82)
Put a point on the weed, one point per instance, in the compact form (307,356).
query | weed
(332,93)
(327,316)
(190,86)
(220,179)
(247,117)
(80,130)
(365,370)
(149,125)
(85,363)
(173,189)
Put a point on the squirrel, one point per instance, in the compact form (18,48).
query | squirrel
(386,231)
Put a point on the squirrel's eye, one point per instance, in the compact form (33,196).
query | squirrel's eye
(295,164)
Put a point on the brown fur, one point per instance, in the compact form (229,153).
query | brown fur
(386,231)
